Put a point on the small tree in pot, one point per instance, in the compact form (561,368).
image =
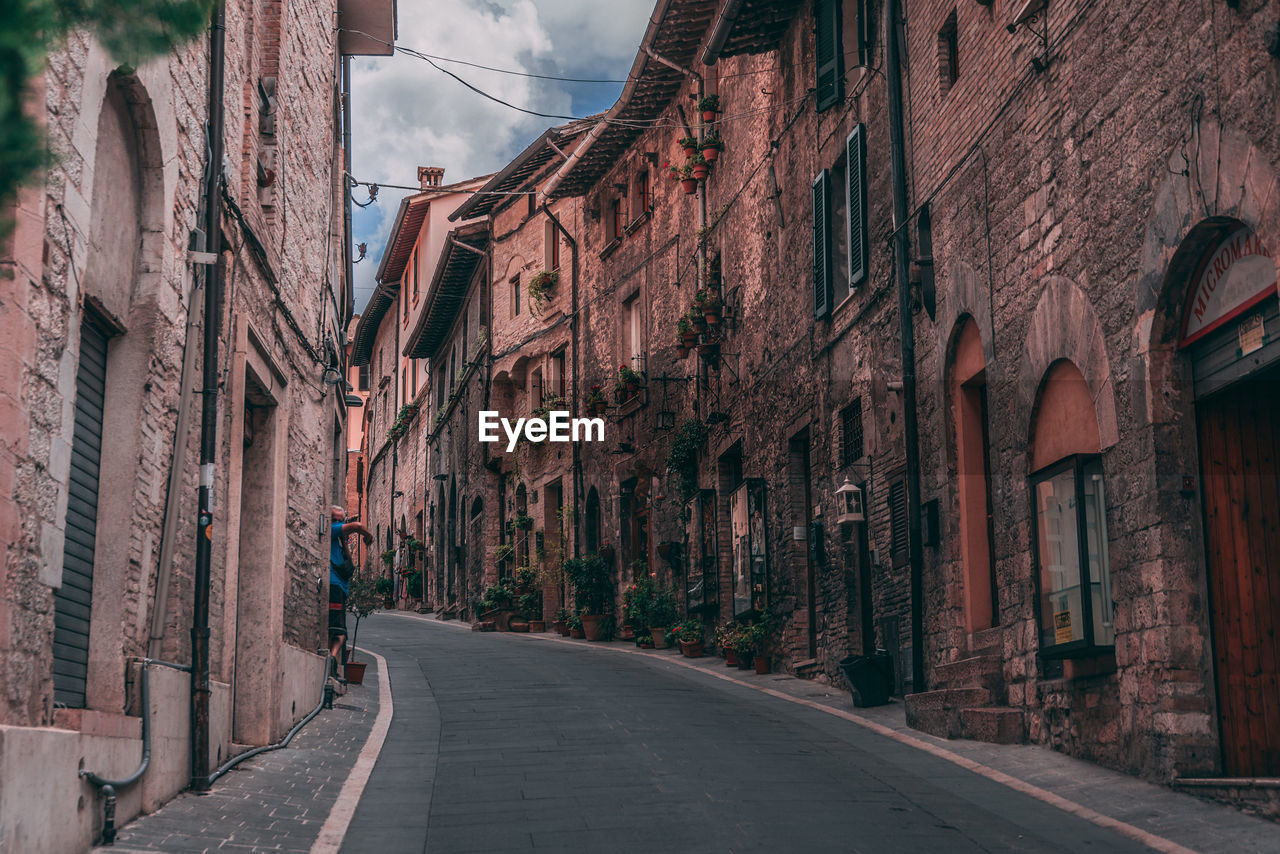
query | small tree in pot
(363,599)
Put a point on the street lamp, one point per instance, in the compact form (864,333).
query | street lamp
(849,498)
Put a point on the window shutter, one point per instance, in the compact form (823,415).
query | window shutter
(859,236)
(830,53)
(898,517)
(822,244)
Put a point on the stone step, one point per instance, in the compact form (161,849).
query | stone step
(994,725)
(941,723)
(987,642)
(979,671)
(948,698)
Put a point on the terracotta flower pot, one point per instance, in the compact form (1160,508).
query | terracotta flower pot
(710,154)
(537,625)
(593,626)
(627,633)
(681,351)
(712,316)
(691,649)
(700,171)
(689,151)
(708,115)
(731,658)
(762,664)
(577,633)
(659,638)
(690,186)
(354,672)
(518,626)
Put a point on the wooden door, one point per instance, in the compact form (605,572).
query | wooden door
(1239,448)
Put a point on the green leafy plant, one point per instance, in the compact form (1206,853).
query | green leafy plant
(682,459)
(384,586)
(403,419)
(637,602)
(503,551)
(690,631)
(540,288)
(709,104)
(662,609)
(592,584)
(629,376)
(575,622)
(711,140)
(683,326)
(521,522)
(389,556)
(413,587)
(688,142)
(363,599)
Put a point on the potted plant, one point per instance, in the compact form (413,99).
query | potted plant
(711,147)
(699,168)
(385,588)
(593,592)
(726,638)
(503,553)
(389,556)
(560,624)
(690,635)
(758,635)
(662,614)
(363,599)
(540,288)
(523,522)
(594,401)
(690,145)
(575,627)
(708,302)
(687,181)
(709,106)
(673,171)
(630,379)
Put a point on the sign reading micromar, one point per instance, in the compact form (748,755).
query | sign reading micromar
(1238,275)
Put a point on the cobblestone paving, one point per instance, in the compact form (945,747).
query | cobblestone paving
(276,801)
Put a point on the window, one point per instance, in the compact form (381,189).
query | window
(851,432)
(555,374)
(859,29)
(632,333)
(841,239)
(948,54)
(643,198)
(898,520)
(404,385)
(550,246)
(533,203)
(515,295)
(413,273)
(364,377)
(616,223)
(413,379)
(830,52)
(535,389)
(1076,609)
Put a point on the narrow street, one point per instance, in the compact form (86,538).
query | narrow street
(502,742)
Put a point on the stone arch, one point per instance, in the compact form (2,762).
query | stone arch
(967,298)
(1065,326)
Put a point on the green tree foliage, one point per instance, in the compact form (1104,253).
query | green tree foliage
(132,31)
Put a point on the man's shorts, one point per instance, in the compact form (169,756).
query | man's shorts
(337,611)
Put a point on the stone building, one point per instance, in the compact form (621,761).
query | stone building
(1091,229)
(533,343)
(101,301)
(397,425)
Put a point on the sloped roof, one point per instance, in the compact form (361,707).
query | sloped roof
(518,174)
(759,26)
(675,32)
(448,289)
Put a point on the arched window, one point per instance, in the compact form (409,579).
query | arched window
(1069,518)
(591,531)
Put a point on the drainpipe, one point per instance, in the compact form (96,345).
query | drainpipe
(177,473)
(910,427)
(720,32)
(348,305)
(208,415)
(576,477)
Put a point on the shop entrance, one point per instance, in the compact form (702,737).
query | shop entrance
(1231,330)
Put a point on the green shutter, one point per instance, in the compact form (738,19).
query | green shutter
(859,236)
(822,244)
(830,53)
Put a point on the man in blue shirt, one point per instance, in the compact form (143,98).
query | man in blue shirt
(341,569)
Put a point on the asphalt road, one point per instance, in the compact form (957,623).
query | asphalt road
(512,743)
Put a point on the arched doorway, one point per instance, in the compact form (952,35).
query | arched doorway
(1228,332)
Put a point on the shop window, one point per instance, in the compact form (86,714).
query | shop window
(1076,608)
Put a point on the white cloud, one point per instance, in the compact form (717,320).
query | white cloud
(407,114)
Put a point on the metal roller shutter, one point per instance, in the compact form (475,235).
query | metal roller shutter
(73,600)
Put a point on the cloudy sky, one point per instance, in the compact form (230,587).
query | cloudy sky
(407,114)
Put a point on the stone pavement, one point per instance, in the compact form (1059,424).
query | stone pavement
(276,801)
(504,742)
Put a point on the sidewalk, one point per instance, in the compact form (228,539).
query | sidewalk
(276,801)
(1159,817)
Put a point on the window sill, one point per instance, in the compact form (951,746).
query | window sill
(93,722)
(1081,661)
(636,223)
(610,248)
(632,404)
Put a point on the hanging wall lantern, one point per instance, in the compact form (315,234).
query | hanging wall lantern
(850,503)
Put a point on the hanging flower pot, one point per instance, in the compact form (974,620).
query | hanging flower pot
(711,148)
(681,351)
(709,107)
(690,146)
(690,185)
(700,168)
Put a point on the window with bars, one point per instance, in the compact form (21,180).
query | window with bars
(851,432)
